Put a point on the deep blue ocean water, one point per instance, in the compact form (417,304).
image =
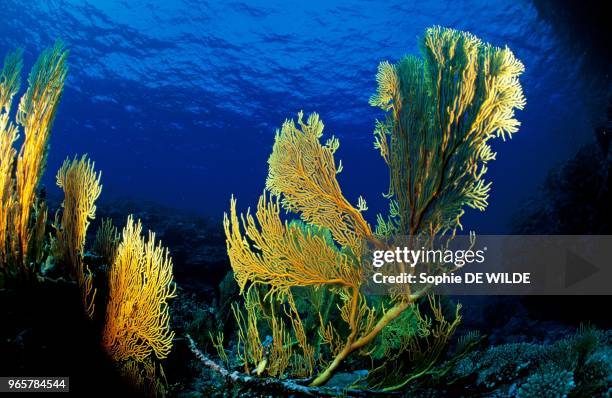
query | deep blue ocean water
(178,101)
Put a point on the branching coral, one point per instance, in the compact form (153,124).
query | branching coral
(286,351)
(217,342)
(250,348)
(9,85)
(146,378)
(304,172)
(140,284)
(410,350)
(287,255)
(81,185)
(20,172)
(37,245)
(35,114)
(10,79)
(442,109)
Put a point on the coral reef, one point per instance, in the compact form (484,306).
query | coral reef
(136,328)
(442,109)
(292,317)
(577,366)
(550,382)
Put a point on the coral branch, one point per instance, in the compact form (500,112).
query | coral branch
(271,384)
(81,185)
(35,114)
(304,172)
(21,215)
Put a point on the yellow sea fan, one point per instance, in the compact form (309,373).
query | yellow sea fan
(81,185)
(303,173)
(450,103)
(35,114)
(8,135)
(504,93)
(282,255)
(140,284)
(442,108)
(20,171)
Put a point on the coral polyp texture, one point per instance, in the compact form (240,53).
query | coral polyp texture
(302,279)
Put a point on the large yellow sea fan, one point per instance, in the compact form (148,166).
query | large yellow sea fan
(20,172)
(35,114)
(442,108)
(140,284)
(445,108)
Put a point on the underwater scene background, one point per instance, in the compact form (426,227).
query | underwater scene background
(178,101)
(178,104)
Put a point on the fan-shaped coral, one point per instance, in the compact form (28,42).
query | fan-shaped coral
(136,329)
(442,109)
(140,283)
(35,114)
(106,241)
(20,172)
(81,185)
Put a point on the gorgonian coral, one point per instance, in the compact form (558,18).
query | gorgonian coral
(81,185)
(140,284)
(136,328)
(21,171)
(442,110)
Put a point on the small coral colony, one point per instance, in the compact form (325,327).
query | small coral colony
(303,313)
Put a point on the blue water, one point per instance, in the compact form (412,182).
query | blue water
(178,101)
